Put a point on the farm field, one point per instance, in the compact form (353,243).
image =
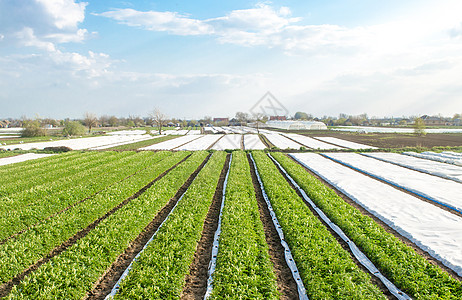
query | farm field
(147,225)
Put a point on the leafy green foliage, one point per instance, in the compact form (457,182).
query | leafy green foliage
(33,128)
(327,270)
(73,128)
(243,268)
(160,271)
(86,260)
(400,263)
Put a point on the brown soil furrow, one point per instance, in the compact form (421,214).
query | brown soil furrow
(6,287)
(107,281)
(72,205)
(265,141)
(196,281)
(213,144)
(342,243)
(382,224)
(287,286)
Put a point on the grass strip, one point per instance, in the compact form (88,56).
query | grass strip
(243,268)
(327,270)
(410,272)
(160,271)
(24,250)
(141,144)
(89,257)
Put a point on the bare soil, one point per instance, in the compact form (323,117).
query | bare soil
(287,286)
(196,281)
(107,281)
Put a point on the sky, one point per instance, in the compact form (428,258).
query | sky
(190,59)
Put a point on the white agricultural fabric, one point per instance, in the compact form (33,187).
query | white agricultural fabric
(127,132)
(424,165)
(172,144)
(431,156)
(253,142)
(194,132)
(310,142)
(21,158)
(202,143)
(145,137)
(443,191)
(80,143)
(393,130)
(432,229)
(229,141)
(281,141)
(344,143)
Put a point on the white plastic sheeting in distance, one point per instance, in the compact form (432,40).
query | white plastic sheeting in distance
(229,141)
(439,190)
(433,229)
(281,141)
(344,143)
(441,157)
(310,142)
(253,142)
(20,158)
(424,165)
(172,144)
(202,143)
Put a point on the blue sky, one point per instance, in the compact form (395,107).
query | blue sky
(62,58)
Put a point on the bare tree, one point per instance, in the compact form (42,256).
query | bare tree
(90,120)
(259,118)
(159,118)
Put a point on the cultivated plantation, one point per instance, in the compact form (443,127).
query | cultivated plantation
(231,224)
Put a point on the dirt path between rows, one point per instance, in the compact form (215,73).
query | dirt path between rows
(196,281)
(5,288)
(387,228)
(287,286)
(108,280)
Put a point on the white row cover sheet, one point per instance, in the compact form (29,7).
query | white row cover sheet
(281,141)
(456,154)
(432,229)
(393,130)
(253,142)
(424,165)
(172,144)
(443,191)
(20,158)
(194,132)
(310,142)
(202,143)
(344,143)
(449,159)
(80,143)
(127,132)
(175,132)
(229,141)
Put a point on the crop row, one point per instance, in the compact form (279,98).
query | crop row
(31,207)
(86,261)
(399,262)
(327,270)
(20,252)
(243,264)
(160,271)
(28,178)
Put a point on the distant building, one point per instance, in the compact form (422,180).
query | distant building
(297,125)
(221,121)
(435,121)
(278,118)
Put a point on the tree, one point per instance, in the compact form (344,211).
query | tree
(113,121)
(159,118)
(260,118)
(242,117)
(73,128)
(299,115)
(419,127)
(90,120)
(32,128)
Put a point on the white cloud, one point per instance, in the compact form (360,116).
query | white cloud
(159,21)
(456,31)
(66,14)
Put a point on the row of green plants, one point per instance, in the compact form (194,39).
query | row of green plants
(12,171)
(398,262)
(4,154)
(243,267)
(327,270)
(86,261)
(160,271)
(20,252)
(145,143)
(25,179)
(31,207)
